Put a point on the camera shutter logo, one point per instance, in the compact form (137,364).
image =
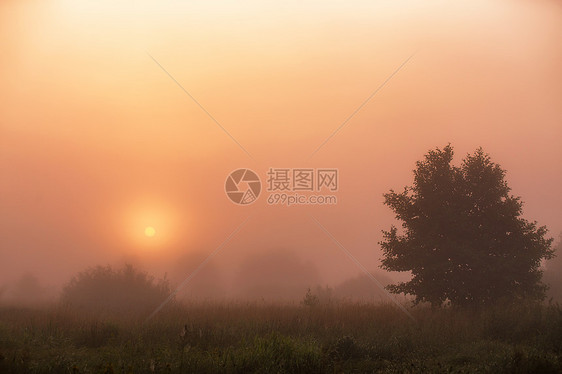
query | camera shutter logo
(243,186)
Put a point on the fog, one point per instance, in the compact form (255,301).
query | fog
(98,142)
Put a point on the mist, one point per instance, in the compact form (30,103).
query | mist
(97,142)
(196,187)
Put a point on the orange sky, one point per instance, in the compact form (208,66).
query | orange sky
(97,142)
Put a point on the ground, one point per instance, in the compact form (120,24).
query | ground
(266,338)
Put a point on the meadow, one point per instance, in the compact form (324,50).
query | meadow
(259,337)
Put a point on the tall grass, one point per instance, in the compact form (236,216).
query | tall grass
(253,337)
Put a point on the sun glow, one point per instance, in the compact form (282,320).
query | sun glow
(149,231)
(150,225)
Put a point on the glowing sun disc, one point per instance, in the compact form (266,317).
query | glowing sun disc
(150,231)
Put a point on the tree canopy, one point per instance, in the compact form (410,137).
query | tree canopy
(125,291)
(463,236)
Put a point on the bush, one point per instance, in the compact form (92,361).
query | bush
(125,291)
(346,348)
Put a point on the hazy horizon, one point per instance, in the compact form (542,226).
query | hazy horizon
(97,142)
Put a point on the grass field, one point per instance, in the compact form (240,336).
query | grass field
(267,338)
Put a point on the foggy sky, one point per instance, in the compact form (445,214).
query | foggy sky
(97,142)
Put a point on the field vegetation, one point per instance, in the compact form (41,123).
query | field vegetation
(290,338)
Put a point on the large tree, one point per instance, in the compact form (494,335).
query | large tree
(553,273)
(463,236)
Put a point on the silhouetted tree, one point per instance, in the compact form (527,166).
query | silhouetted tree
(463,236)
(123,291)
(553,274)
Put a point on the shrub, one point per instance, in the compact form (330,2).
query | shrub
(122,291)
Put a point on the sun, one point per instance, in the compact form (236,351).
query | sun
(149,231)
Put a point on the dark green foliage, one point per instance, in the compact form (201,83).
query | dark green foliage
(251,338)
(115,292)
(346,348)
(464,239)
(553,274)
